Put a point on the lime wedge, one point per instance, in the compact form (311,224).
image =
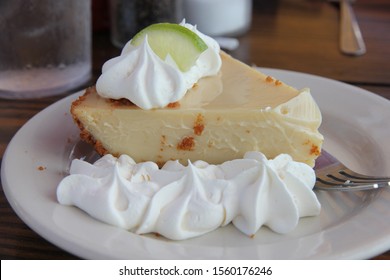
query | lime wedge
(182,44)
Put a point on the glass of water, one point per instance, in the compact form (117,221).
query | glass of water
(45,47)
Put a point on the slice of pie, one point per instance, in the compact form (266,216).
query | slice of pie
(219,119)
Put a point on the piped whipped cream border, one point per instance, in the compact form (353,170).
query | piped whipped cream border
(181,202)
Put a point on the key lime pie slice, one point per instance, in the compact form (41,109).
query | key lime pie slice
(193,140)
(172,94)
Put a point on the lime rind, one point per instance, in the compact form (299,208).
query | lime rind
(183,45)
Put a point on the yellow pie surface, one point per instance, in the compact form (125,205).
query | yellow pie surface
(219,119)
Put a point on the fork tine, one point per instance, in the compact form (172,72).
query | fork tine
(353,175)
(362,179)
(331,182)
(333,175)
(350,186)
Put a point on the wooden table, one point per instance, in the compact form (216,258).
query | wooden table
(287,34)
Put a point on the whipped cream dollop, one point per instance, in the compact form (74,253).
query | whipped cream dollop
(142,77)
(181,202)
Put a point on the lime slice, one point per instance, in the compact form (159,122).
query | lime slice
(183,45)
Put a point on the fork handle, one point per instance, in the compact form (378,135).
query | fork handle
(351,39)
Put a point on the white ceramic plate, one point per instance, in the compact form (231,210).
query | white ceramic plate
(350,226)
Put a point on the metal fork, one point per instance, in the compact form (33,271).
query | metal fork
(332,175)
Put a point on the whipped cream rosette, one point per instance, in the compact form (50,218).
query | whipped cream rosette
(148,81)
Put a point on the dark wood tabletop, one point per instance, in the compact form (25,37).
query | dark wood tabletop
(298,35)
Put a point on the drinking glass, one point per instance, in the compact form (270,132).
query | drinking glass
(45,47)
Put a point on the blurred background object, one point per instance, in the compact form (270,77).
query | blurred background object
(45,47)
(219,17)
(130,16)
(351,39)
(212,17)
